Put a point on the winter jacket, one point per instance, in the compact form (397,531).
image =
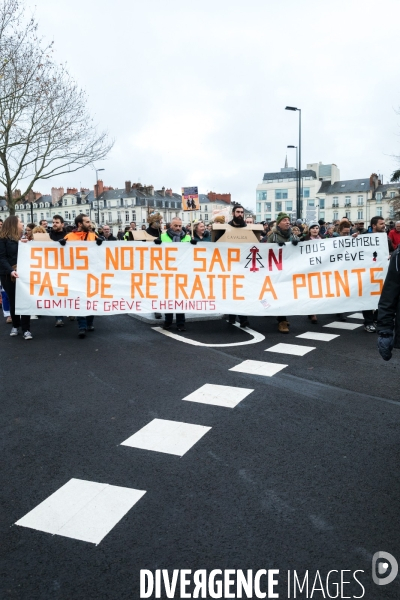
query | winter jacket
(81,236)
(8,255)
(389,303)
(395,237)
(56,236)
(277,236)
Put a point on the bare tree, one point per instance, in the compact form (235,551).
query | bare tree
(45,127)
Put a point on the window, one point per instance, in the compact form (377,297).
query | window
(321,203)
(379,211)
(73,214)
(278,206)
(347,214)
(94,203)
(347,200)
(119,217)
(127,216)
(335,201)
(289,206)
(360,214)
(65,202)
(133,216)
(281,194)
(102,218)
(41,216)
(258,207)
(87,212)
(360,202)
(206,217)
(34,217)
(379,196)
(47,215)
(101,203)
(392,194)
(322,214)
(22,218)
(311,203)
(335,216)
(109,217)
(267,207)
(66,214)
(73,201)
(205,209)
(306,192)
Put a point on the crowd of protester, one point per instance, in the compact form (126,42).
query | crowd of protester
(280,231)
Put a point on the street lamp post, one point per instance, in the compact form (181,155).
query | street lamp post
(298,203)
(297,178)
(97,196)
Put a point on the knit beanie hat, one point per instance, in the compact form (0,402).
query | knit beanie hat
(313,224)
(281,216)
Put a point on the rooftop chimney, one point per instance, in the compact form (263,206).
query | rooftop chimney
(128,186)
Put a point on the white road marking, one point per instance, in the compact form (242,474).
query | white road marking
(314,335)
(82,510)
(258,367)
(356,316)
(290,349)
(257,337)
(171,437)
(220,395)
(343,325)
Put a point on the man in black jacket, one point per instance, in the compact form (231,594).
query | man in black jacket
(389,310)
(107,234)
(57,232)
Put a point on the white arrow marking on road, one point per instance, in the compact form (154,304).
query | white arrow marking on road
(257,337)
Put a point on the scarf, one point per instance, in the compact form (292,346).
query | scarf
(286,233)
(176,236)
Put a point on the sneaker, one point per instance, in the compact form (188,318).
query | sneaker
(28,335)
(370,328)
(9,320)
(90,328)
(34,317)
(181,328)
(157,315)
(167,325)
(59,323)
(232,321)
(72,318)
(82,333)
(341,317)
(14,331)
(244,324)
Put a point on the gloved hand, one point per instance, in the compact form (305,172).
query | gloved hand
(62,242)
(385,344)
(99,241)
(193,241)
(157,241)
(295,240)
(281,244)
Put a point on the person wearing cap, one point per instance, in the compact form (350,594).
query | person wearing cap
(360,229)
(155,224)
(281,234)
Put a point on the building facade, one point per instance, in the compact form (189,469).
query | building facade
(324,195)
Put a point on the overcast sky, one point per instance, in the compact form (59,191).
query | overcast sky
(193,92)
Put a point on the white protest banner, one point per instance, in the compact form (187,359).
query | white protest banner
(336,275)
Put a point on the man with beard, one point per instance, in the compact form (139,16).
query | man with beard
(57,232)
(83,233)
(281,234)
(237,221)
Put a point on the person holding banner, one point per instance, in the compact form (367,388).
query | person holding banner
(174,234)
(83,233)
(389,310)
(10,235)
(281,234)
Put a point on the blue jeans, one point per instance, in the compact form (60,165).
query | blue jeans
(85,322)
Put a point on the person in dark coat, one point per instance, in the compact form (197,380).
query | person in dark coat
(10,236)
(57,232)
(389,310)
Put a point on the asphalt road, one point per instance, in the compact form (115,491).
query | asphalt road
(303,474)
